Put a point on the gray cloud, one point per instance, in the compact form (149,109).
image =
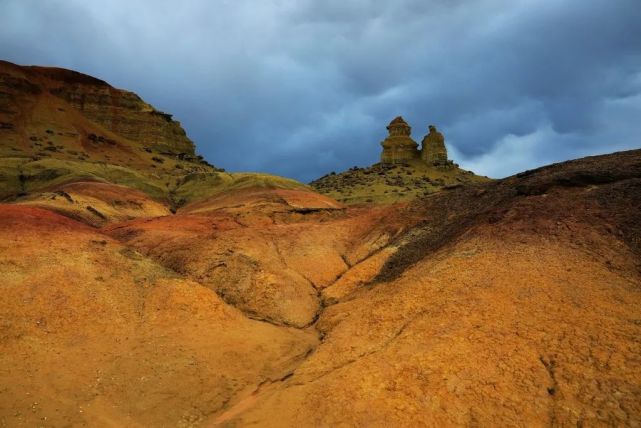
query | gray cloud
(299,88)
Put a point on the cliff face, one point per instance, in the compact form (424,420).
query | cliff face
(121,112)
(59,126)
(125,114)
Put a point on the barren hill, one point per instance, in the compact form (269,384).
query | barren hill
(262,303)
(404,172)
(65,117)
(381,183)
(59,127)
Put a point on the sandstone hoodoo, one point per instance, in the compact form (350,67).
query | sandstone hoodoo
(434,151)
(399,147)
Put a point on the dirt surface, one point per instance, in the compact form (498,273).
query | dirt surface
(96,203)
(268,252)
(94,333)
(602,191)
(514,302)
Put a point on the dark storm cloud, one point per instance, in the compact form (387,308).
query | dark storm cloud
(300,88)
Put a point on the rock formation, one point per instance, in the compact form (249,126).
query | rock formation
(125,114)
(404,173)
(118,111)
(433,151)
(399,147)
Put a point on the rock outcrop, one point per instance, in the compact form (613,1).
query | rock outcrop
(433,150)
(126,114)
(403,174)
(121,112)
(59,127)
(399,147)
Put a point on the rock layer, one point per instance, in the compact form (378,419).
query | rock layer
(120,112)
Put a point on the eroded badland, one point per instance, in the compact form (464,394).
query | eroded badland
(142,286)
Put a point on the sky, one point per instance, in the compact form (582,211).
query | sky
(303,87)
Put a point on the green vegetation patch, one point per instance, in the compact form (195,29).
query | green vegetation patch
(198,186)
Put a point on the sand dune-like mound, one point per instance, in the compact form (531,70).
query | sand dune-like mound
(95,333)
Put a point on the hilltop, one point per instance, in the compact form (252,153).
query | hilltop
(59,127)
(404,173)
(66,117)
(388,183)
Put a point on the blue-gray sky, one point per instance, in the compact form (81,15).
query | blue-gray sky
(303,87)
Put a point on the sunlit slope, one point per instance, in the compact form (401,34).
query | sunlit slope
(513,302)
